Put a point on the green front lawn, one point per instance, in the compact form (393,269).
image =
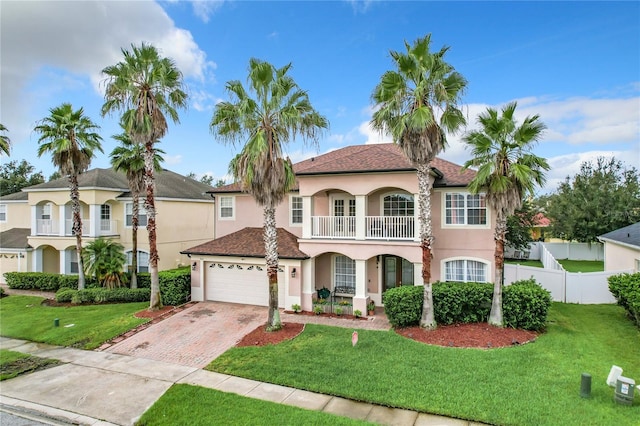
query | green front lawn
(14,363)
(582,265)
(534,263)
(85,327)
(533,384)
(177,407)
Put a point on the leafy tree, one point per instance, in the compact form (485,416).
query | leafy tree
(104,259)
(602,197)
(5,142)
(69,137)
(409,101)
(55,175)
(145,87)
(206,179)
(279,112)
(128,157)
(519,226)
(16,175)
(507,171)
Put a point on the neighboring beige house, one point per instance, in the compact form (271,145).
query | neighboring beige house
(350,225)
(622,248)
(35,224)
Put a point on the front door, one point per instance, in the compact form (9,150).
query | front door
(397,271)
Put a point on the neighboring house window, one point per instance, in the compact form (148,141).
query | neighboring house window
(296,210)
(105,217)
(142,214)
(465,270)
(465,209)
(143,261)
(344,274)
(46,212)
(3,212)
(398,205)
(226,207)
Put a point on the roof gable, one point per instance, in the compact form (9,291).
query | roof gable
(15,238)
(629,235)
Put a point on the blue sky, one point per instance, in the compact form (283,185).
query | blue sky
(576,64)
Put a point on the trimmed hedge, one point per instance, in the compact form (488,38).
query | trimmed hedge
(525,304)
(175,284)
(626,289)
(103,295)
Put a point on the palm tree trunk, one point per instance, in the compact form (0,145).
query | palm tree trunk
(77,227)
(426,240)
(134,239)
(271,257)
(495,317)
(155,302)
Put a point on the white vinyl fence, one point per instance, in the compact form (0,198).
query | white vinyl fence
(567,287)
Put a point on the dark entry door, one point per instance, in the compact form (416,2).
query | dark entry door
(396,271)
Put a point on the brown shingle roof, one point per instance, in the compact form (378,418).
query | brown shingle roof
(248,242)
(374,158)
(15,238)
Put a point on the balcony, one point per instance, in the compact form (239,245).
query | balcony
(48,227)
(401,228)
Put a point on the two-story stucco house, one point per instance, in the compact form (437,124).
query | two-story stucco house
(35,224)
(350,225)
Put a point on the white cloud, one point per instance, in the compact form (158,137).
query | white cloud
(172,159)
(359,6)
(203,9)
(202,100)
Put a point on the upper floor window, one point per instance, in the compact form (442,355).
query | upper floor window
(226,207)
(142,214)
(3,212)
(45,213)
(105,212)
(465,209)
(465,270)
(296,210)
(398,205)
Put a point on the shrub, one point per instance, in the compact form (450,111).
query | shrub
(403,305)
(626,289)
(175,285)
(65,295)
(525,304)
(44,281)
(103,295)
(455,302)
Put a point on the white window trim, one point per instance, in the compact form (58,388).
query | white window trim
(443,267)
(291,222)
(347,198)
(443,211)
(333,272)
(6,213)
(124,220)
(386,194)
(126,254)
(233,207)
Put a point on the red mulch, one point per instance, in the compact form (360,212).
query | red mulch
(479,335)
(146,313)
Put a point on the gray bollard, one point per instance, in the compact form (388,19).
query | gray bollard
(56,322)
(585,385)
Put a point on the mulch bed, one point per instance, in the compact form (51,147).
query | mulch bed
(477,335)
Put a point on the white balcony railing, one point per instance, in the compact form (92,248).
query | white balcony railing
(108,227)
(376,227)
(47,227)
(390,227)
(68,228)
(333,227)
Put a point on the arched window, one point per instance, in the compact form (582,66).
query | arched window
(143,261)
(465,270)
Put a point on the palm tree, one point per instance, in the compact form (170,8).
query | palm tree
(128,157)
(69,137)
(145,87)
(409,101)
(507,170)
(279,112)
(5,142)
(104,259)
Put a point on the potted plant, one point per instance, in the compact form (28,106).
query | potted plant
(296,308)
(357,313)
(371,307)
(318,309)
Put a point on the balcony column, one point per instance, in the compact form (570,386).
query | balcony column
(64,261)
(308,284)
(62,221)
(360,298)
(361,212)
(307,212)
(37,260)
(94,219)
(34,221)
(416,218)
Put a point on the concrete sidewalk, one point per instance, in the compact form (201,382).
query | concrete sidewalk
(99,388)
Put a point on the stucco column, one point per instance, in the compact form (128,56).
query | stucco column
(34,220)
(417,274)
(361,212)
(308,284)
(94,219)
(416,215)
(307,212)
(37,260)
(360,298)
(62,222)
(64,262)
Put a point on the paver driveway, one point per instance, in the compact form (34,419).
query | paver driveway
(195,336)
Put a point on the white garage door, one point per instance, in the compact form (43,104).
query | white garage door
(9,263)
(240,283)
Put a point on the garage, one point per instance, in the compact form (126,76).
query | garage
(240,283)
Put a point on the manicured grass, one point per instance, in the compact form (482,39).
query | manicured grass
(193,405)
(582,265)
(533,384)
(535,263)
(14,363)
(85,327)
